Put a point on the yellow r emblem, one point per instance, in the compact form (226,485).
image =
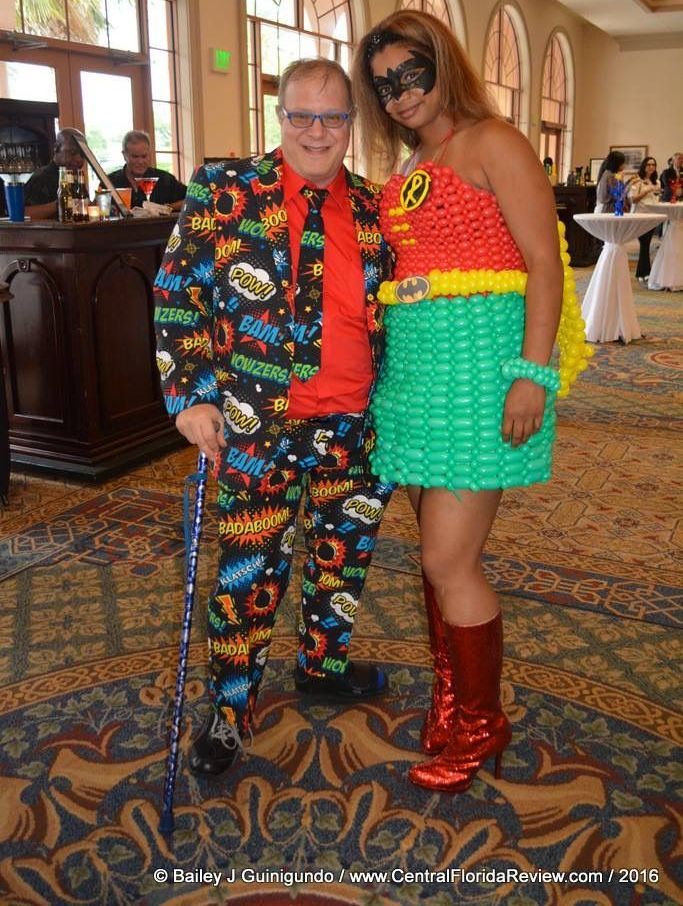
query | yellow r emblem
(415,189)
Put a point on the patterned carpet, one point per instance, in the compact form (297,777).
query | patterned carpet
(588,567)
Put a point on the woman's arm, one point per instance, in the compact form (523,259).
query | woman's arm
(603,194)
(520,184)
(640,189)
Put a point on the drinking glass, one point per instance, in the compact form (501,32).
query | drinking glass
(14,199)
(103,200)
(146,184)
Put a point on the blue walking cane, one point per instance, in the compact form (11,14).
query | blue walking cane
(192,538)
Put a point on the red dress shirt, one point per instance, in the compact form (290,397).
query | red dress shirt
(343,383)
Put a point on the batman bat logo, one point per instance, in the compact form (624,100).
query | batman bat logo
(412,289)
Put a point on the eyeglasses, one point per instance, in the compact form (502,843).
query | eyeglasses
(302,120)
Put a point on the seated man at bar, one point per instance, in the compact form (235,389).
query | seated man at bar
(137,153)
(40,193)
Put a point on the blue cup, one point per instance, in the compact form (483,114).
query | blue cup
(14,198)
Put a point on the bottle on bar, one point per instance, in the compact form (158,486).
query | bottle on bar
(80,198)
(65,201)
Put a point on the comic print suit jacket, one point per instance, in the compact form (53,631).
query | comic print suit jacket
(226,278)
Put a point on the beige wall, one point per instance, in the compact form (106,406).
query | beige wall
(218,101)
(627,97)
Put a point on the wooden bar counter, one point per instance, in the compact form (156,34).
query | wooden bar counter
(584,249)
(77,344)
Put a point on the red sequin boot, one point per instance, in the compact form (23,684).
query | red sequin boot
(481,729)
(438,725)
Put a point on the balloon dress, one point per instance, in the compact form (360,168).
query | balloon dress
(454,327)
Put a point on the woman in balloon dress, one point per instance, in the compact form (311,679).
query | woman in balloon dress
(465,403)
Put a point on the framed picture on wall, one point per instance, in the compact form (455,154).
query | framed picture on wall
(634,154)
(595,164)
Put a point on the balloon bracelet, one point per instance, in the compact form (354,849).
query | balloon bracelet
(540,374)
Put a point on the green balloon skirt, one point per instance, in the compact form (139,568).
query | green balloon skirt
(438,405)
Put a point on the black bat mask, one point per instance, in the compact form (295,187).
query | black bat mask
(416,72)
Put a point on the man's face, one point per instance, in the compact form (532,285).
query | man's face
(315,152)
(67,153)
(138,158)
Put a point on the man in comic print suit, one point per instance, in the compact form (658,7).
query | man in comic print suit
(228,324)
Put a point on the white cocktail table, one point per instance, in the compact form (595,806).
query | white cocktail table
(608,308)
(667,268)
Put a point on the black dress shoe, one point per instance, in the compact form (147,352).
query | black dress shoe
(215,747)
(360,681)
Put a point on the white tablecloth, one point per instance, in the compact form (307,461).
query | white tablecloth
(607,307)
(667,268)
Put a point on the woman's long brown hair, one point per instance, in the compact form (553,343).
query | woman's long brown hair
(463,93)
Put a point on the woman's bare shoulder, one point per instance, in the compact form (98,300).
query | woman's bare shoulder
(497,133)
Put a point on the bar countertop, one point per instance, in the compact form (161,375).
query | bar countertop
(115,232)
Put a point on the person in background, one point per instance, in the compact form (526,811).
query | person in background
(40,192)
(642,189)
(671,179)
(269,340)
(549,167)
(466,394)
(137,153)
(610,173)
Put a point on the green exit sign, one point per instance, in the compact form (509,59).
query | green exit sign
(220,59)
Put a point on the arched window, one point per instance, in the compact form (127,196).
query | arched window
(502,68)
(438,8)
(279,32)
(555,97)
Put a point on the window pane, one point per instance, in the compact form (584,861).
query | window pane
(310,19)
(328,17)
(269,46)
(326,49)
(551,111)
(27,82)
(510,54)
(168,162)
(253,126)
(283,11)
(107,115)
(124,33)
(87,21)
(164,126)
(47,19)
(280,47)
(271,122)
(504,98)
(308,46)
(158,12)
(162,69)
(437,8)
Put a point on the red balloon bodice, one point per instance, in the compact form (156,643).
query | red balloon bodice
(455,226)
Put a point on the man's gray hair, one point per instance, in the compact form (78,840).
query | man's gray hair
(301,69)
(133,137)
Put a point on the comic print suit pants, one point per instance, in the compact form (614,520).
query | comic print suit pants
(322,460)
